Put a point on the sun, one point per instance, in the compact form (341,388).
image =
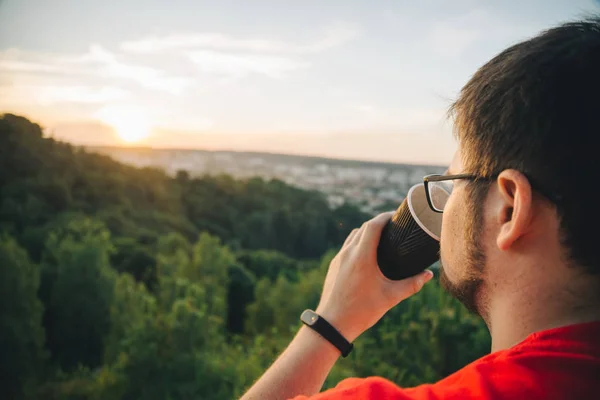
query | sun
(130,123)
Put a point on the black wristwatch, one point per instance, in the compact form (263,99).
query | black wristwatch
(324,328)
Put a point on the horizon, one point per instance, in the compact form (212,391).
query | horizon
(258,153)
(354,80)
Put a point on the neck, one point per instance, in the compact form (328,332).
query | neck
(518,312)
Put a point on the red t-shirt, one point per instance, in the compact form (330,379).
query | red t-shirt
(561,363)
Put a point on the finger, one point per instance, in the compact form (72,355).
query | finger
(356,239)
(373,228)
(405,288)
(350,236)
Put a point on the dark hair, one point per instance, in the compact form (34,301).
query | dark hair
(535,108)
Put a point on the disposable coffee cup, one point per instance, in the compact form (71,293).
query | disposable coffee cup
(410,241)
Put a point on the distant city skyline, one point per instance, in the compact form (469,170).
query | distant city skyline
(372,186)
(366,80)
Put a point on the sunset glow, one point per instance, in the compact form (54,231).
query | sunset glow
(347,80)
(131,124)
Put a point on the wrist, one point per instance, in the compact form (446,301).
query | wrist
(343,325)
(309,339)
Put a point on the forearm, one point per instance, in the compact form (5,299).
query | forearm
(300,369)
(355,296)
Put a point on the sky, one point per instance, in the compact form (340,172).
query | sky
(368,80)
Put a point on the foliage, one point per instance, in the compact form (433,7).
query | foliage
(76,266)
(125,283)
(41,179)
(21,332)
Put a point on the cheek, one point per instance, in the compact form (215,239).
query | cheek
(451,234)
(449,220)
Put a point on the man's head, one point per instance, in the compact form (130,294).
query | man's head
(529,122)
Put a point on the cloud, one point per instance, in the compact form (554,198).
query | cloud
(88,76)
(19,61)
(97,63)
(76,84)
(333,36)
(241,65)
(51,101)
(52,94)
(234,58)
(100,75)
(145,76)
(199,40)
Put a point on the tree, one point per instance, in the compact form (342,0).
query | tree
(278,304)
(133,307)
(21,332)
(172,349)
(77,291)
(271,264)
(135,259)
(240,293)
(209,267)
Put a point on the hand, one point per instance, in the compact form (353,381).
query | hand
(356,294)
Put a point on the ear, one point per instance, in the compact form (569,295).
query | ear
(513,207)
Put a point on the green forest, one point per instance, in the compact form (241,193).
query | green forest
(126,283)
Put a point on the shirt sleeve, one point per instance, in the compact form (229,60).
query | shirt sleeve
(482,379)
(369,388)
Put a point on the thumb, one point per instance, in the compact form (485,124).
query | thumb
(405,288)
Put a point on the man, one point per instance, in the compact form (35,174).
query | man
(518,244)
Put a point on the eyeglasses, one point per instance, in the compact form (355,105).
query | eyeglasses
(438,189)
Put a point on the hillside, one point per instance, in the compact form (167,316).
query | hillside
(123,283)
(44,180)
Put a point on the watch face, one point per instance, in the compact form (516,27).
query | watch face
(309,317)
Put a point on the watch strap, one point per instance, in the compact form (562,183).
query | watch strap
(327,331)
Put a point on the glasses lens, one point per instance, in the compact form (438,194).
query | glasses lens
(439,192)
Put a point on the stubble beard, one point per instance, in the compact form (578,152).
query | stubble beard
(468,289)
